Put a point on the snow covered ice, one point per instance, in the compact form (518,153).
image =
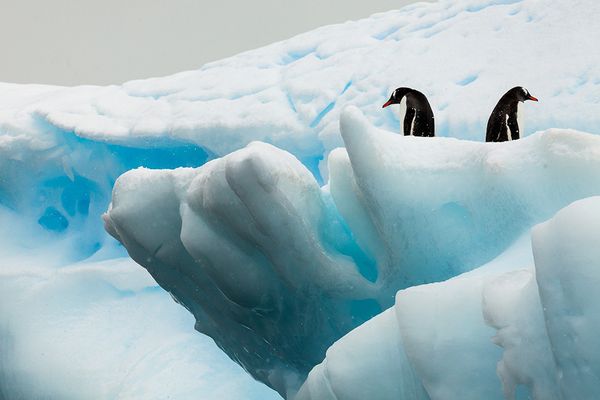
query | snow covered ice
(280,207)
(462,55)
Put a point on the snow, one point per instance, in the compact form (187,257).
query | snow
(462,55)
(279,243)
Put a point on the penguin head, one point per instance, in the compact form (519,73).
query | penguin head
(521,94)
(397,96)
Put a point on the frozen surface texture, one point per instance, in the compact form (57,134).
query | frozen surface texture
(439,339)
(290,243)
(276,268)
(462,55)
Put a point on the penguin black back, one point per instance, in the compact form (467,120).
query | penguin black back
(503,124)
(418,120)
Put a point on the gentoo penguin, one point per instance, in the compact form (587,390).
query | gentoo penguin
(503,124)
(418,120)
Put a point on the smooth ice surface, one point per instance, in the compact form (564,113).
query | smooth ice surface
(508,330)
(568,273)
(275,268)
(432,344)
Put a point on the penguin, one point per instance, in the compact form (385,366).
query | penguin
(503,124)
(418,120)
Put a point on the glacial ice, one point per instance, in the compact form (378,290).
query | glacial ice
(275,269)
(438,341)
(333,233)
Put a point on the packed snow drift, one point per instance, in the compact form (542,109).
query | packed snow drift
(278,204)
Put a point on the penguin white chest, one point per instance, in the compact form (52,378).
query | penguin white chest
(402,110)
(509,132)
(402,115)
(520,113)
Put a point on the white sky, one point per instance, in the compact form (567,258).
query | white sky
(70,42)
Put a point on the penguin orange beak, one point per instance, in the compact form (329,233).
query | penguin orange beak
(532,98)
(387,103)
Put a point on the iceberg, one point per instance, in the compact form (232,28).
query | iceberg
(270,196)
(259,253)
(512,329)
